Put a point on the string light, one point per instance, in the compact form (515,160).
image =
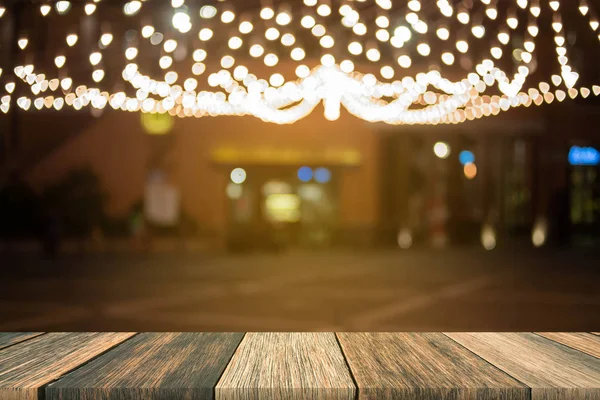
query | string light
(415,97)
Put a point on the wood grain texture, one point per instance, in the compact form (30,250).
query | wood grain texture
(423,366)
(585,342)
(9,339)
(552,370)
(152,366)
(287,366)
(27,366)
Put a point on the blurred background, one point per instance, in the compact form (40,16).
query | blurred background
(115,220)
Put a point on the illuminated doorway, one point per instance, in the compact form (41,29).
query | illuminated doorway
(283,207)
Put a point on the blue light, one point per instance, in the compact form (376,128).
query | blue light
(584,156)
(305,174)
(465,157)
(322,175)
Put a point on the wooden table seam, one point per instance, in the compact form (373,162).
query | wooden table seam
(42,388)
(356,392)
(566,345)
(491,364)
(22,341)
(214,388)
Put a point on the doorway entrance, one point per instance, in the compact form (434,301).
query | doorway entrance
(282,207)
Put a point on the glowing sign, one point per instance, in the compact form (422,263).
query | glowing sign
(584,156)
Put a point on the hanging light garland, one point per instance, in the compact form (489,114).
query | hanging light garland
(397,62)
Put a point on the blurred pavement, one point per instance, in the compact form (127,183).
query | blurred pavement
(450,290)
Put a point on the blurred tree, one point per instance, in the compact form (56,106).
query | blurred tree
(77,201)
(20,211)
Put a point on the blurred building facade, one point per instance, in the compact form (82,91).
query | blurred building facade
(318,183)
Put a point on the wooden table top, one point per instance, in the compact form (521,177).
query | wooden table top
(53,366)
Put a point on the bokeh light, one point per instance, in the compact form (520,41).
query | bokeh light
(238,176)
(305,174)
(441,150)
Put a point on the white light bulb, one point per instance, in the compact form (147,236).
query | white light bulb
(205,34)
(387,72)
(71,39)
(373,55)
(90,8)
(227,17)
(60,61)
(324,10)
(267,13)
(347,66)
(298,54)
(95,58)
(45,9)
(355,48)
(257,50)
(404,61)
(423,49)
(271,60)
(328,60)
(208,12)
(235,43)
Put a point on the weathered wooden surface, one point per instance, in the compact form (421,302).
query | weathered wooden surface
(552,370)
(507,366)
(423,366)
(27,366)
(9,339)
(585,342)
(287,366)
(152,366)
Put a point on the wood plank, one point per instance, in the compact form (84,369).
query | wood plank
(27,366)
(553,371)
(287,366)
(423,366)
(585,342)
(9,339)
(152,366)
